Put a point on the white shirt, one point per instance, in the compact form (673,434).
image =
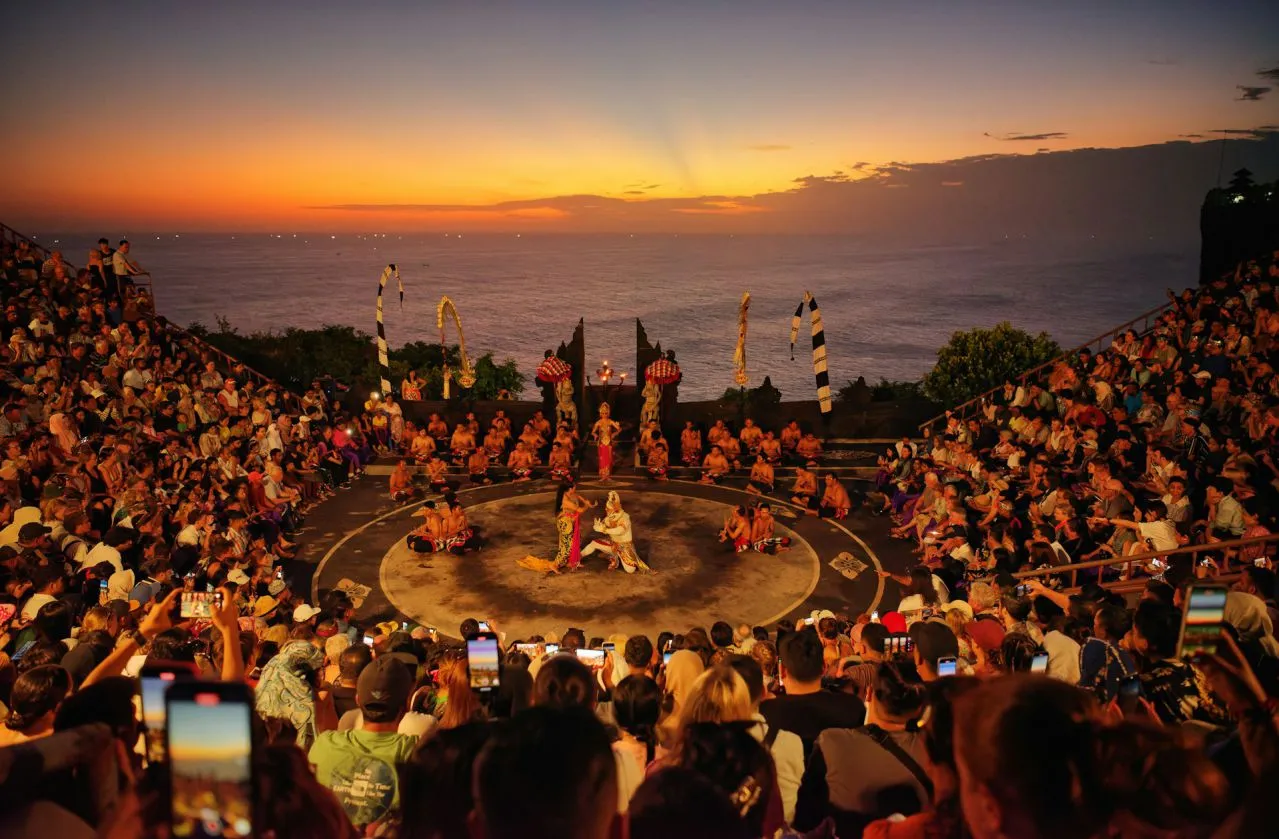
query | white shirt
(120,585)
(120,264)
(102,552)
(1063,657)
(190,535)
(1162,533)
(788,758)
(34,602)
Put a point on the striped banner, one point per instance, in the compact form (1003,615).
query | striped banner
(819,348)
(382,360)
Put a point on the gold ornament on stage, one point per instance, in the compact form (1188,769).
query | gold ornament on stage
(739,355)
(466,376)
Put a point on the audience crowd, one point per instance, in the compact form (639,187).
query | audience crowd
(135,470)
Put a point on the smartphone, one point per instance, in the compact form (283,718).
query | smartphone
(209,740)
(195,604)
(368,641)
(670,645)
(874,616)
(279,573)
(552,649)
(432,630)
(529,650)
(1023,589)
(946,666)
(1205,607)
(153,683)
(1130,687)
(1158,563)
(1039,664)
(666,657)
(484,626)
(482,662)
(609,647)
(102,591)
(807,622)
(593,659)
(404,625)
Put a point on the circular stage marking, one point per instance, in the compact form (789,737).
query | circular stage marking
(698,579)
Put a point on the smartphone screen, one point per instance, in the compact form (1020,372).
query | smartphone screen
(1039,664)
(484,626)
(210,746)
(666,656)
(946,666)
(609,647)
(195,604)
(1201,621)
(593,659)
(102,591)
(153,683)
(482,660)
(874,616)
(368,641)
(529,650)
(552,649)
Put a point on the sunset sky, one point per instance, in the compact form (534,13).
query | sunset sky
(336,115)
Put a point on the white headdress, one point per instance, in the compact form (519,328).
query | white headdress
(614,500)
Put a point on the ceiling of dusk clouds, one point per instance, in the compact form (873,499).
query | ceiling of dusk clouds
(585,116)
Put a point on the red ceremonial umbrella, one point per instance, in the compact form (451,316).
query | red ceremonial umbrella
(553,369)
(663,371)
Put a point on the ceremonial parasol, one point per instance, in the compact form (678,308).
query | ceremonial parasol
(553,369)
(663,372)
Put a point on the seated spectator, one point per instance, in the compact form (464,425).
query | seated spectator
(806,709)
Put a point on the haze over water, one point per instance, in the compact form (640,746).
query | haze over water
(886,309)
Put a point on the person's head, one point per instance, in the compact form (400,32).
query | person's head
(564,681)
(382,690)
(1017,652)
(35,697)
(1256,580)
(53,621)
(722,631)
(637,707)
(897,695)
(729,756)
(549,773)
(718,695)
(679,803)
(352,660)
(752,674)
(435,782)
(870,646)
(639,653)
(933,641)
(1111,623)
(982,597)
(1155,630)
(801,657)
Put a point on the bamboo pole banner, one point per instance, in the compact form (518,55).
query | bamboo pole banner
(382,360)
(820,372)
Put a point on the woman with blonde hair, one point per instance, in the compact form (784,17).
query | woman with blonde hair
(462,705)
(718,695)
(681,673)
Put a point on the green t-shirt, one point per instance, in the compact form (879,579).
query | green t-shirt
(361,767)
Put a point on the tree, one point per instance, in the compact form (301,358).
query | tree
(978,360)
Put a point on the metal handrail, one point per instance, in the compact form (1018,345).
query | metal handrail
(1074,568)
(1144,318)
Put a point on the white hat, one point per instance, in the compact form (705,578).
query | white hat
(960,606)
(238,577)
(821,614)
(304,613)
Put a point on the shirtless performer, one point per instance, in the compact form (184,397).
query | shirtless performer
(422,448)
(437,475)
(762,530)
(716,467)
(690,445)
(732,450)
(750,436)
(761,480)
(646,438)
(809,448)
(477,466)
(771,448)
(717,433)
(790,437)
(805,488)
(401,482)
(737,530)
(462,443)
(459,536)
(835,502)
(495,443)
(428,537)
(541,425)
(659,459)
(566,436)
(532,439)
(560,463)
(520,463)
(438,430)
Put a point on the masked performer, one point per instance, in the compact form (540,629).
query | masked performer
(615,538)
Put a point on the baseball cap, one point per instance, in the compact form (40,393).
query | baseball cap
(238,577)
(304,613)
(959,606)
(934,640)
(276,587)
(384,685)
(894,622)
(32,530)
(818,615)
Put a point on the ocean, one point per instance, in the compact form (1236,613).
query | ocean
(886,309)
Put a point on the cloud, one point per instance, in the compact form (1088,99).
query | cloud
(1192,136)
(1258,133)
(1017,135)
(1271,75)
(1251,94)
(952,183)
(633,192)
(769,147)
(1163,62)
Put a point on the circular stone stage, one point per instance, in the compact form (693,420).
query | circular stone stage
(697,579)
